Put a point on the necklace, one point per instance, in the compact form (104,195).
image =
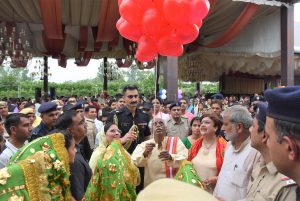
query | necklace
(207,148)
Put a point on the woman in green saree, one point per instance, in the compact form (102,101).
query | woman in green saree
(39,170)
(108,133)
(115,175)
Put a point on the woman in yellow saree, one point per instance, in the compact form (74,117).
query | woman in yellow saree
(39,170)
(115,175)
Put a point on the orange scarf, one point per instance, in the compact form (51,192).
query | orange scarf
(220,148)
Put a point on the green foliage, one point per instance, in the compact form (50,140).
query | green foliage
(16,83)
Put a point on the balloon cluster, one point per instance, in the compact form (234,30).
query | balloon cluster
(163,94)
(161,26)
(179,94)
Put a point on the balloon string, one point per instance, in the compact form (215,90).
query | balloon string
(155,87)
(156,77)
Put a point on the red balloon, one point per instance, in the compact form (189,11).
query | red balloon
(131,12)
(146,50)
(130,31)
(200,9)
(144,4)
(166,30)
(169,46)
(159,4)
(199,24)
(187,33)
(119,22)
(119,2)
(152,22)
(177,12)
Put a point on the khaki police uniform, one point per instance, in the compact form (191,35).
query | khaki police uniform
(180,129)
(266,183)
(91,132)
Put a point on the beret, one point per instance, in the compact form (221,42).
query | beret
(47,107)
(78,105)
(3,104)
(27,110)
(260,112)
(67,107)
(175,105)
(284,103)
(217,96)
(258,98)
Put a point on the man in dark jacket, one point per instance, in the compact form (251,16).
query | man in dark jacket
(80,170)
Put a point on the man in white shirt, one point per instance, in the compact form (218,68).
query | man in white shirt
(239,157)
(18,128)
(90,114)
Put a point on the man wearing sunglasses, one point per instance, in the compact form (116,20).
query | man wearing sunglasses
(128,116)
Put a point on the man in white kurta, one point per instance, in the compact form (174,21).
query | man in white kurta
(239,157)
(160,156)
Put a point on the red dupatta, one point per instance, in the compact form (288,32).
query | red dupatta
(220,148)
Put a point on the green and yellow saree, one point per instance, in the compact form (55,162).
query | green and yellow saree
(115,176)
(38,171)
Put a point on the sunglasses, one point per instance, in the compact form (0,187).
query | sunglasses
(132,96)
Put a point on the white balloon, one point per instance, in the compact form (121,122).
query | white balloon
(163,91)
(163,96)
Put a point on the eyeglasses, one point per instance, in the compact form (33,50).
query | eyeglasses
(132,96)
(115,131)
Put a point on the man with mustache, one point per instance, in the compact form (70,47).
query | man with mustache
(128,116)
(161,156)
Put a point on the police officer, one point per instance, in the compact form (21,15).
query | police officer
(178,125)
(283,130)
(129,116)
(266,183)
(49,116)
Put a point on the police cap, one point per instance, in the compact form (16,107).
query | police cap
(47,107)
(284,103)
(175,105)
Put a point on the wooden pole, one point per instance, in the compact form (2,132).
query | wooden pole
(105,80)
(287,45)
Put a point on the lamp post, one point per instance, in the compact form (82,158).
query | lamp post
(45,77)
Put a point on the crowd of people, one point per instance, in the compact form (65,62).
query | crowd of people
(131,147)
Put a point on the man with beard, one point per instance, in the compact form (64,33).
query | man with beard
(161,156)
(239,157)
(132,121)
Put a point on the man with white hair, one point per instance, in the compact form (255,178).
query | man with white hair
(239,157)
(161,156)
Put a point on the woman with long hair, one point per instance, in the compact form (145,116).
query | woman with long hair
(207,153)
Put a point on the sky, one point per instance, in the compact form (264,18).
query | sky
(74,73)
